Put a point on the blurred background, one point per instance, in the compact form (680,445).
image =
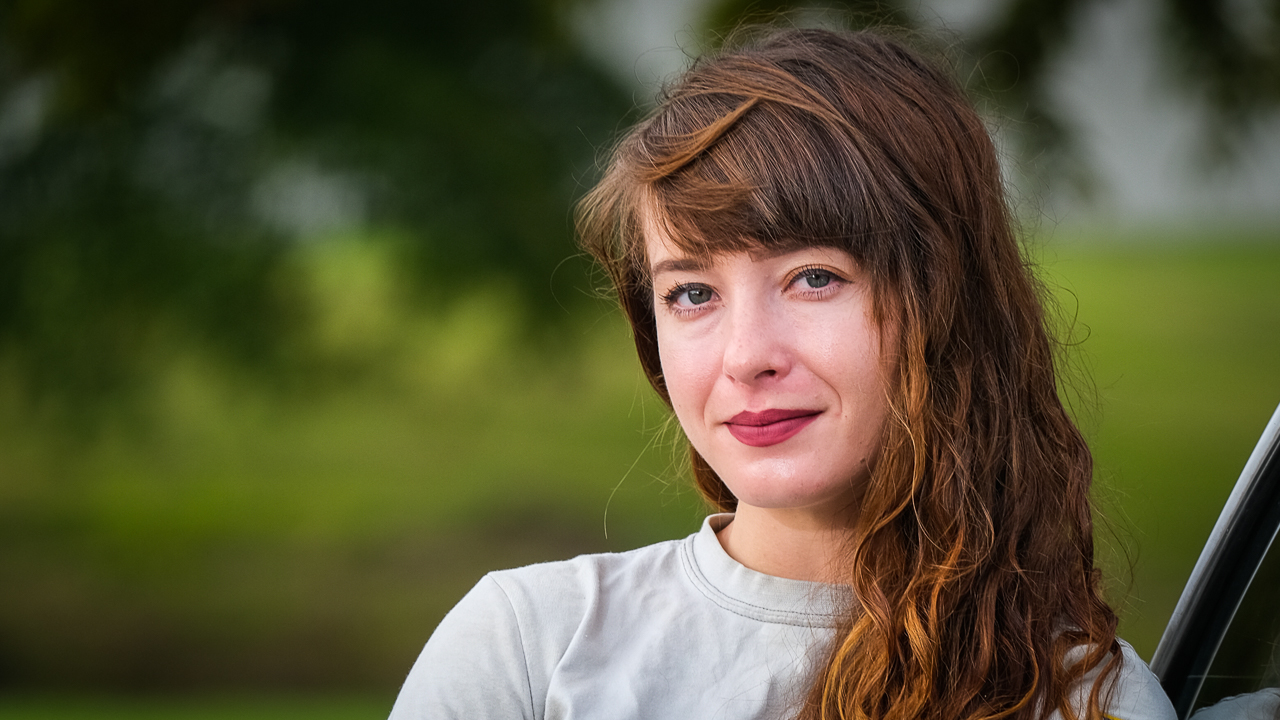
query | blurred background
(295,343)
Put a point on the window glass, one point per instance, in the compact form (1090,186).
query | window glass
(1244,679)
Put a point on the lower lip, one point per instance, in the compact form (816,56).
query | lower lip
(771,434)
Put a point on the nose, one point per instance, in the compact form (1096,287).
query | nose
(756,347)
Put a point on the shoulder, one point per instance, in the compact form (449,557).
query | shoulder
(550,602)
(558,587)
(492,655)
(1136,693)
(474,665)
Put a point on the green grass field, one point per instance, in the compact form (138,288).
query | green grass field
(231,537)
(214,707)
(1183,345)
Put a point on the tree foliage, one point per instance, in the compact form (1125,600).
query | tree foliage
(158,159)
(1224,53)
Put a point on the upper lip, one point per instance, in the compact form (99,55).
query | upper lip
(767,417)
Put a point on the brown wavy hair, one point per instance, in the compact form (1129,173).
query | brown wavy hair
(973,567)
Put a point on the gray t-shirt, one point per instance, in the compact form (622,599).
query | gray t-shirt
(673,630)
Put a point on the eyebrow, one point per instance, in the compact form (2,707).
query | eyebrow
(692,264)
(680,265)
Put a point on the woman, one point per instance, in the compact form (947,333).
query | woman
(810,239)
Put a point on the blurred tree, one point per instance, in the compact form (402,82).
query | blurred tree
(157,158)
(1226,52)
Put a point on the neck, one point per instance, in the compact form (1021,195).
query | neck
(790,544)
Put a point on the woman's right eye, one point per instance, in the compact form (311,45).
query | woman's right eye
(688,296)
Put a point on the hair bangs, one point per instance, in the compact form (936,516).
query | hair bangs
(759,173)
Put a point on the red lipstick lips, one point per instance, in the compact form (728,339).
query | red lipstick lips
(769,427)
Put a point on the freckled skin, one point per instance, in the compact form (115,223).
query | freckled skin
(747,332)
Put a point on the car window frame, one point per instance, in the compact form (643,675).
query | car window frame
(1241,537)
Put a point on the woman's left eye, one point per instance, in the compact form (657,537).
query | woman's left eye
(814,278)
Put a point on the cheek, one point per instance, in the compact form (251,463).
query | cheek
(856,367)
(689,370)
(845,348)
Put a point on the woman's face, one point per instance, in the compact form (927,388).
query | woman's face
(774,368)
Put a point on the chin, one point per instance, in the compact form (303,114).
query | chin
(770,487)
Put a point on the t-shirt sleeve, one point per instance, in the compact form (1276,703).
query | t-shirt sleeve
(473,666)
(1137,694)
